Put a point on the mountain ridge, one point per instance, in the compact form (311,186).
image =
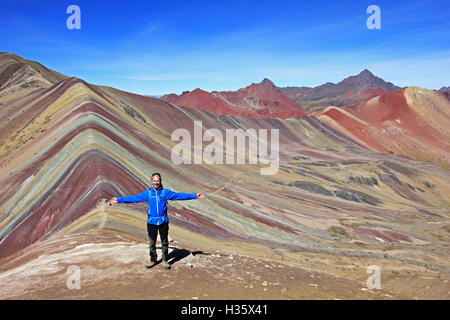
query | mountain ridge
(351,90)
(262,99)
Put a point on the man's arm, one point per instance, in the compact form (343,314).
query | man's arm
(172,195)
(143,196)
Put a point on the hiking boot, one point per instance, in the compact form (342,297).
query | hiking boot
(151,264)
(166,264)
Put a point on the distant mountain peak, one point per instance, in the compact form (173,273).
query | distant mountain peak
(353,89)
(366,72)
(365,80)
(367,76)
(262,99)
(266,81)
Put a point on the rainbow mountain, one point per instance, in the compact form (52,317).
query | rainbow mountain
(358,185)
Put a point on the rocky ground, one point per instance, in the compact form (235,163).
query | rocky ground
(93,266)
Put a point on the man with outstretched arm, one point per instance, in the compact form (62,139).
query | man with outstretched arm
(157,220)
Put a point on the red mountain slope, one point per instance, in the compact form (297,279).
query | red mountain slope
(410,122)
(261,100)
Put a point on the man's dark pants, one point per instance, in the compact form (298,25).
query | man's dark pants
(152,231)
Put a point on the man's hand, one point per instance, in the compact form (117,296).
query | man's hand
(200,196)
(113,201)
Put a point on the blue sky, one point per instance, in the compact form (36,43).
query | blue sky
(158,47)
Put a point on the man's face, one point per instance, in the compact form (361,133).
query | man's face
(156,182)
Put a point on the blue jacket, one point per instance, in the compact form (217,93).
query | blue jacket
(157,202)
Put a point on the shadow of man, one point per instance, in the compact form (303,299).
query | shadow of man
(178,254)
